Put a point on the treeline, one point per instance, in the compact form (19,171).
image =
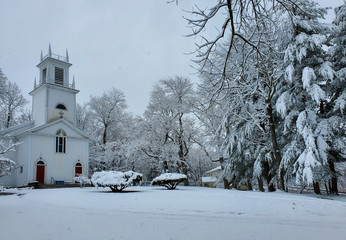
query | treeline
(165,139)
(275,76)
(269,107)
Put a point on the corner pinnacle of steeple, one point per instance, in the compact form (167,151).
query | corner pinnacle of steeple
(49,51)
(67,58)
(73,83)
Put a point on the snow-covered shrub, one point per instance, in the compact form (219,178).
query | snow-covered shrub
(169,180)
(83,180)
(117,181)
(6,164)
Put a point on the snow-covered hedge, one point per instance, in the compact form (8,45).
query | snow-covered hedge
(169,180)
(83,180)
(115,180)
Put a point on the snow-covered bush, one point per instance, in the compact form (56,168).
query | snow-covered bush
(169,180)
(117,181)
(83,180)
(6,166)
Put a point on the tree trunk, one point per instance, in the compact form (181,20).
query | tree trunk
(268,176)
(334,181)
(316,188)
(183,161)
(9,117)
(181,150)
(260,184)
(327,189)
(275,145)
(249,185)
(226,183)
(165,166)
(105,134)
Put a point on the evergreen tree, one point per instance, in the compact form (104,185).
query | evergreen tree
(303,98)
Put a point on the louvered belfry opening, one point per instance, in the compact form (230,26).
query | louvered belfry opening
(59,76)
(44,75)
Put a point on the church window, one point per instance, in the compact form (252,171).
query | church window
(61,106)
(60,141)
(59,76)
(44,75)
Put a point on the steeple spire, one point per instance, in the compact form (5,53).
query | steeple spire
(49,51)
(67,59)
(73,83)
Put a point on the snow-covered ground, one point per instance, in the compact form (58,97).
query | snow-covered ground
(155,213)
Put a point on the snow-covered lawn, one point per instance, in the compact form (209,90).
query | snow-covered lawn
(155,213)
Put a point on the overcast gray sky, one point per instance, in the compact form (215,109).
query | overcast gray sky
(128,45)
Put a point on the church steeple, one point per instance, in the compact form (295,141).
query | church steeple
(53,94)
(54,69)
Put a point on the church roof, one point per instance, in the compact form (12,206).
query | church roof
(25,131)
(15,130)
(62,120)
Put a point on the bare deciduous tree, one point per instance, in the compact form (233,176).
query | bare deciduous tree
(107,108)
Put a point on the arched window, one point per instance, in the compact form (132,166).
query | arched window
(61,106)
(60,141)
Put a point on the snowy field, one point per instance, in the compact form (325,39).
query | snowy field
(155,213)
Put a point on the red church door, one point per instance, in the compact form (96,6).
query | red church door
(40,173)
(78,170)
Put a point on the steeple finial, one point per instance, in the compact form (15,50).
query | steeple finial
(41,55)
(67,59)
(49,51)
(73,83)
(35,83)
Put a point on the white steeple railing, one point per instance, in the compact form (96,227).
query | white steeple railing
(51,81)
(56,56)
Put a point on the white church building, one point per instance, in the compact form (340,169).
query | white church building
(51,150)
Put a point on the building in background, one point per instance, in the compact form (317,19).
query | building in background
(210,178)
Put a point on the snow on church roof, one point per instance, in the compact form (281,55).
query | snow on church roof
(16,130)
(209,179)
(214,170)
(35,129)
